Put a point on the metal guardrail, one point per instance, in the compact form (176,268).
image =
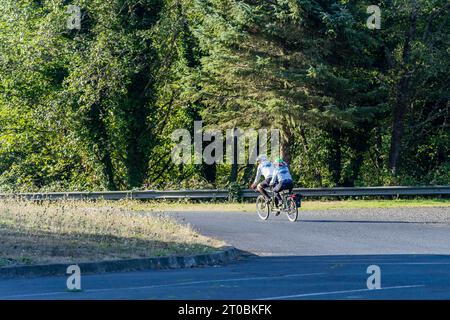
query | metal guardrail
(223,194)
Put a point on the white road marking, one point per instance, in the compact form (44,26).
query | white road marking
(337,292)
(163,285)
(416,263)
(370,261)
(389,263)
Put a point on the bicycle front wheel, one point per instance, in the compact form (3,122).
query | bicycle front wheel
(292,210)
(262,208)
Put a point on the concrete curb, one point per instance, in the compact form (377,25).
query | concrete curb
(225,255)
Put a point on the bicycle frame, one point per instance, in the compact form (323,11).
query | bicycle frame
(289,205)
(284,195)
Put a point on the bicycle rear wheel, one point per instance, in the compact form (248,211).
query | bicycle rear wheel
(262,208)
(292,210)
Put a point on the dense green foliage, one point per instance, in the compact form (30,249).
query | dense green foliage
(94,108)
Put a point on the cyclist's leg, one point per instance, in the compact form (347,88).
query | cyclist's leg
(284,185)
(276,190)
(289,185)
(281,187)
(261,188)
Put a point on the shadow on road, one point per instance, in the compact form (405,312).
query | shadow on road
(371,221)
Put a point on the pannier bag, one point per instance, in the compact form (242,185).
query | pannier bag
(298,199)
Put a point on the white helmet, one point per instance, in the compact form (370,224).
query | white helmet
(261,158)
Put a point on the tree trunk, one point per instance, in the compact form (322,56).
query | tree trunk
(138,137)
(403,96)
(234,165)
(355,166)
(398,126)
(335,162)
(99,136)
(317,174)
(209,172)
(379,148)
(285,144)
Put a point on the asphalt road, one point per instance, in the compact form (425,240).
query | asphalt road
(323,256)
(331,232)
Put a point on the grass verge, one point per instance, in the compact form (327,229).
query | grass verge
(75,232)
(168,206)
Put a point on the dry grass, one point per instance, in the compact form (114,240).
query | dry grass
(72,231)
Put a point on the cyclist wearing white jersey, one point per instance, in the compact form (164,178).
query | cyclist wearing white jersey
(265,169)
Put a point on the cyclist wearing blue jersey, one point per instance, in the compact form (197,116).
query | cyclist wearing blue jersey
(281,179)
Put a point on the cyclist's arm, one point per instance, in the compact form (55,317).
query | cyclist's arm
(258,175)
(274,177)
